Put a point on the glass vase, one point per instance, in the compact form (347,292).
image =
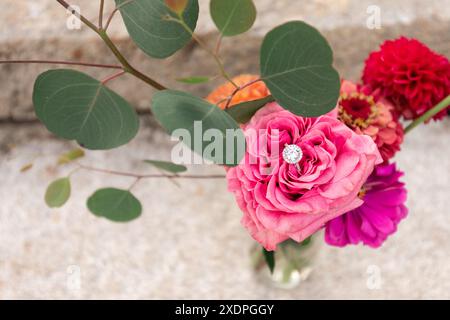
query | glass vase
(293,263)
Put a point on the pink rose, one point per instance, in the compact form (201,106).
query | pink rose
(282,200)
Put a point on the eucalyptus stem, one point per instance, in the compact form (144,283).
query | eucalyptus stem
(72,63)
(100,14)
(429,114)
(148,176)
(206,48)
(77,14)
(113,13)
(127,67)
(218,44)
(239,88)
(112,77)
(134,183)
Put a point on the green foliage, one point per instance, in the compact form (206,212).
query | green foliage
(233,17)
(58,192)
(306,242)
(70,156)
(26,167)
(179,110)
(296,65)
(243,112)
(75,106)
(115,205)
(193,80)
(269,256)
(148,26)
(167,166)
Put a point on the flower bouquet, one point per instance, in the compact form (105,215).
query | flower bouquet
(302,149)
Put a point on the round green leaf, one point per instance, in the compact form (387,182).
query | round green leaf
(180,110)
(70,156)
(193,80)
(233,17)
(58,192)
(115,205)
(147,25)
(75,106)
(167,166)
(296,65)
(244,111)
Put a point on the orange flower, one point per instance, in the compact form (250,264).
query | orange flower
(257,90)
(177,6)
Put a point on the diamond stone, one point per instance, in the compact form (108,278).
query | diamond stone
(292,154)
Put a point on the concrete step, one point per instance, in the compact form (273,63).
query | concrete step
(177,249)
(38,30)
(188,243)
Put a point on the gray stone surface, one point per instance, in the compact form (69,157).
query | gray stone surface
(188,242)
(32,29)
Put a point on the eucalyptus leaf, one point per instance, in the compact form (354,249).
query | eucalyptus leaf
(269,256)
(306,242)
(58,192)
(70,156)
(115,205)
(296,65)
(244,111)
(26,167)
(167,166)
(75,106)
(193,80)
(148,26)
(233,17)
(201,125)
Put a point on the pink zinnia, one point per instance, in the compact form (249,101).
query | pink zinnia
(366,112)
(282,200)
(384,207)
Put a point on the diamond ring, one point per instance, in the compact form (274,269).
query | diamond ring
(292,154)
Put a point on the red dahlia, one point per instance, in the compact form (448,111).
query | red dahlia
(409,74)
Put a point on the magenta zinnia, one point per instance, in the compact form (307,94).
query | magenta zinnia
(384,207)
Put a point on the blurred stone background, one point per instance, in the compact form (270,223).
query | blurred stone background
(189,243)
(32,29)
